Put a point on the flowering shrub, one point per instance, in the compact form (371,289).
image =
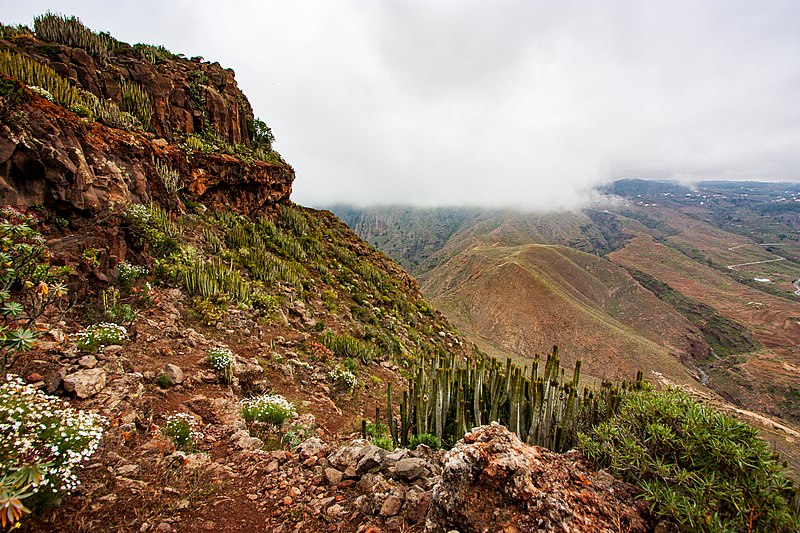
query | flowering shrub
(342,376)
(99,335)
(42,441)
(128,273)
(222,359)
(181,429)
(267,408)
(145,296)
(44,93)
(151,225)
(28,284)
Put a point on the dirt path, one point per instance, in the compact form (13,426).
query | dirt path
(732,267)
(779,258)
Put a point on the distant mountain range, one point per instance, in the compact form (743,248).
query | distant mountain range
(640,282)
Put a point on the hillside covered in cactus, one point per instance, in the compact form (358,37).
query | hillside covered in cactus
(184,348)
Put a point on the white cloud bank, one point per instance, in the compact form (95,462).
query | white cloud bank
(502,103)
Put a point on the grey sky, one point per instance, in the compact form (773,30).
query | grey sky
(523,103)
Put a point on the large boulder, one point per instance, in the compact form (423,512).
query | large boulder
(492,481)
(85,383)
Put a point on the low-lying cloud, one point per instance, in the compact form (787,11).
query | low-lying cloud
(508,103)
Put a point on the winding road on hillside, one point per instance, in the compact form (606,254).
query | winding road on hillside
(779,258)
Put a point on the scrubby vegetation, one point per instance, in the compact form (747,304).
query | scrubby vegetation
(260,263)
(312,313)
(696,467)
(181,429)
(29,285)
(48,84)
(267,409)
(70,31)
(222,360)
(99,335)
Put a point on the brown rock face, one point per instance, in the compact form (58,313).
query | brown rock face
(188,96)
(491,482)
(51,157)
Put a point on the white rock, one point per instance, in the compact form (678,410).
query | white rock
(85,383)
(174,373)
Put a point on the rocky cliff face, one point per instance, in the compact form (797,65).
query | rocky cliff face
(51,157)
(188,96)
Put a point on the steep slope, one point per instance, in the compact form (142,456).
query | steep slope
(408,235)
(181,234)
(523,299)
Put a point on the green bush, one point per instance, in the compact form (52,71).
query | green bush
(150,225)
(384,442)
(698,468)
(115,310)
(154,54)
(347,346)
(260,134)
(351,365)
(341,376)
(128,273)
(42,442)
(377,430)
(28,284)
(427,439)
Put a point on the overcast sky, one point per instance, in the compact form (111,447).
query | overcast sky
(521,103)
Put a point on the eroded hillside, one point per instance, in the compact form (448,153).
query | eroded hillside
(518,300)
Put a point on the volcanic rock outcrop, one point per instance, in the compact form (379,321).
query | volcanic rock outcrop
(50,156)
(492,481)
(188,95)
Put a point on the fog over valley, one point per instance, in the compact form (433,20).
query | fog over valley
(527,104)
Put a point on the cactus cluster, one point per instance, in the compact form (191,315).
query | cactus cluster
(108,113)
(152,53)
(207,278)
(253,242)
(347,346)
(343,255)
(172,179)
(447,397)
(283,242)
(136,101)
(294,219)
(77,100)
(36,74)
(9,32)
(371,275)
(70,31)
